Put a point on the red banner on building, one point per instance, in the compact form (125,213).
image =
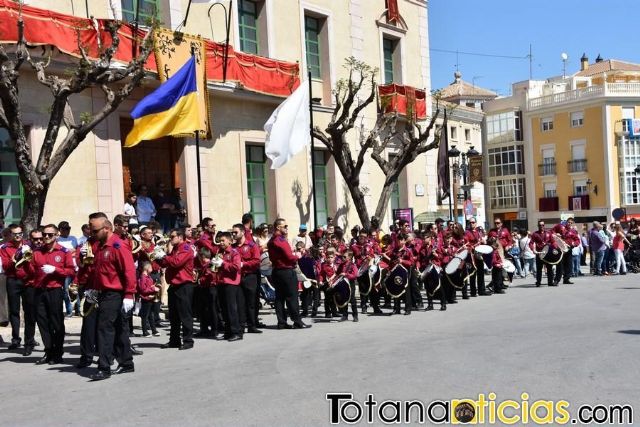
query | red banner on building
(393,13)
(404,100)
(44,27)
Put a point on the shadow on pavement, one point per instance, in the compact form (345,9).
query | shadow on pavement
(630,332)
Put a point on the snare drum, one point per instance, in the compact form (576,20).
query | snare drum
(453,270)
(483,249)
(550,255)
(341,292)
(508,266)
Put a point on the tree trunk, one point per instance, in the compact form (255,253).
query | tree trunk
(359,202)
(34,208)
(383,201)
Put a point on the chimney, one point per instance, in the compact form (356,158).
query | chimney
(584,62)
(599,59)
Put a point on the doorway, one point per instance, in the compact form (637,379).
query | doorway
(150,162)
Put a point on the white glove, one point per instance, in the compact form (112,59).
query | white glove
(83,250)
(127,305)
(160,254)
(48,269)
(25,248)
(217,262)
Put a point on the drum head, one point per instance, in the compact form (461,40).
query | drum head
(364,268)
(508,266)
(484,249)
(307,267)
(341,292)
(364,284)
(462,253)
(397,281)
(544,251)
(453,266)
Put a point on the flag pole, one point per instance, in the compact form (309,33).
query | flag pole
(313,166)
(193,54)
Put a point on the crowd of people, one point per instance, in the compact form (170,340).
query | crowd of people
(125,267)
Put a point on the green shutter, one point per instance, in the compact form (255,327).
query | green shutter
(248,23)
(312,43)
(256,182)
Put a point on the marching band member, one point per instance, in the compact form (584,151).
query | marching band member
(447,251)
(229,265)
(474,237)
(329,272)
(402,254)
(413,244)
(570,236)
(208,237)
(9,251)
(497,279)
(250,271)
(114,278)
(208,307)
(458,241)
(539,239)
(502,235)
(147,289)
(29,297)
(86,286)
(179,273)
(430,256)
(51,265)
(284,276)
(349,270)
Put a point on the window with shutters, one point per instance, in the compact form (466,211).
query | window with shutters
(256,182)
(11,192)
(577,119)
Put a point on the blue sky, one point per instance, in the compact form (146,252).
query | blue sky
(506,28)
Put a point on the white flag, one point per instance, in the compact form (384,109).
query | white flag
(288,127)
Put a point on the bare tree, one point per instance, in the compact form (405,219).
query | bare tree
(116,84)
(408,139)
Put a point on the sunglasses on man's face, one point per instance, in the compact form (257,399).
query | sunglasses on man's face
(49,234)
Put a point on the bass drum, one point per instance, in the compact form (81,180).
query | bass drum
(431,279)
(397,281)
(508,266)
(483,249)
(550,255)
(341,292)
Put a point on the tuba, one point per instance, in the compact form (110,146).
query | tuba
(22,255)
(562,245)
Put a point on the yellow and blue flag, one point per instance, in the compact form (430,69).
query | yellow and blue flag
(172,109)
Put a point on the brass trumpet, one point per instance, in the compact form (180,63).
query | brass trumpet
(22,255)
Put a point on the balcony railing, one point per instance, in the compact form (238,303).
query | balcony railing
(548,204)
(579,165)
(547,169)
(608,89)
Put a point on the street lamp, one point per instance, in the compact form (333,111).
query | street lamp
(461,170)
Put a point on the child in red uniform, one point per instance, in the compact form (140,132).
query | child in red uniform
(349,270)
(147,290)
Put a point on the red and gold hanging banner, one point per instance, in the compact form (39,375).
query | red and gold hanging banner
(44,27)
(404,100)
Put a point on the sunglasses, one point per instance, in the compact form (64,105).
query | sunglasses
(20,234)
(49,234)
(36,239)
(97,230)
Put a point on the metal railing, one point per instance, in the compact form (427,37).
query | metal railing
(547,169)
(607,89)
(579,165)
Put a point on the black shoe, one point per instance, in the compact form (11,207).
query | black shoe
(27,350)
(55,360)
(136,352)
(301,325)
(363,310)
(83,363)
(453,301)
(170,345)
(377,311)
(465,296)
(285,326)
(485,294)
(553,284)
(443,307)
(100,375)
(123,370)
(355,319)
(14,345)
(343,319)
(567,282)
(538,284)
(499,291)
(406,313)
(254,331)
(429,307)
(186,346)
(44,359)
(262,325)
(234,337)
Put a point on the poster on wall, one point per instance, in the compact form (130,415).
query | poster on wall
(404,213)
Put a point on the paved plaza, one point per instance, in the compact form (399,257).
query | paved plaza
(575,342)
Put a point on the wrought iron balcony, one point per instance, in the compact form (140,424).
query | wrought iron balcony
(579,165)
(547,169)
